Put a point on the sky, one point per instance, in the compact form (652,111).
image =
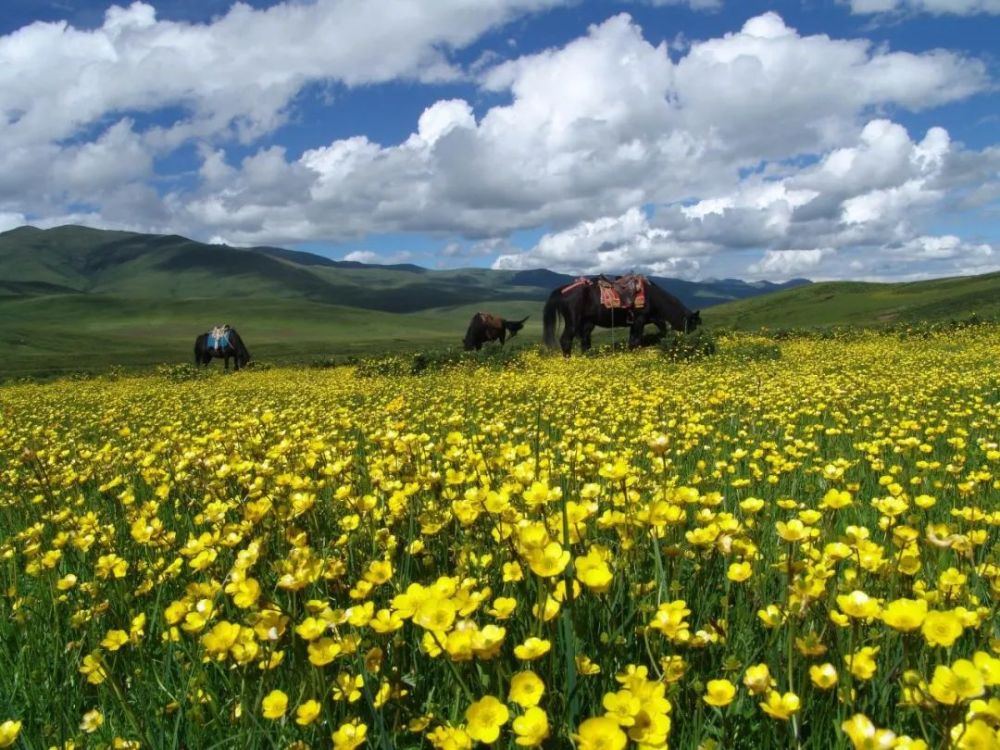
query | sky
(825,139)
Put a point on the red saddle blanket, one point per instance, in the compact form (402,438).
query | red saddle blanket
(628,292)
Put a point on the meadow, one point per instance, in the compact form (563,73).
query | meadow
(788,544)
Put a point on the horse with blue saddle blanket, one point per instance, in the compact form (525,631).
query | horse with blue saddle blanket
(224,343)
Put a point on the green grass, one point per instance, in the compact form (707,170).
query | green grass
(59,334)
(859,303)
(74,299)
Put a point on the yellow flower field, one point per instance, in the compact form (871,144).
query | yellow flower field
(606,552)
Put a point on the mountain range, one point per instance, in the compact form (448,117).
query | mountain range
(74,298)
(80,260)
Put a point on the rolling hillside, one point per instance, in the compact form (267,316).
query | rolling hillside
(74,259)
(863,303)
(74,299)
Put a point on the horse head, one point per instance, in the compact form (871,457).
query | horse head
(692,321)
(515,325)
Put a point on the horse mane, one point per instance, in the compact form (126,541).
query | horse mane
(671,304)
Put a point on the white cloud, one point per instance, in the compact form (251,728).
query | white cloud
(935,7)
(11,221)
(784,264)
(372,257)
(603,124)
(693,4)
(714,139)
(609,245)
(859,207)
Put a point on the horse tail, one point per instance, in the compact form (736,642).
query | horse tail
(515,325)
(549,315)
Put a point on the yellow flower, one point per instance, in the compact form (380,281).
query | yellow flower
(957,683)
(600,733)
(349,735)
(719,693)
(311,628)
(532,648)
(905,615)
(823,676)
(436,613)
(593,571)
(220,638)
(9,730)
(503,607)
(526,689)
(347,687)
(779,706)
(988,666)
(975,735)
(532,728)
(485,717)
(771,616)
(793,531)
(862,662)
(757,679)
(93,668)
(92,721)
(586,666)
(941,628)
(549,561)
(739,572)
(274,704)
(307,712)
(836,499)
(323,651)
(865,736)
(858,605)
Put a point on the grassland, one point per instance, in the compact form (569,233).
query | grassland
(82,300)
(795,550)
(866,304)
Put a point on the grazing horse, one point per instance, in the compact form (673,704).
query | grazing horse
(224,342)
(583,305)
(488,327)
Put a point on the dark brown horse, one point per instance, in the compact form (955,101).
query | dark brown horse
(486,327)
(222,342)
(579,304)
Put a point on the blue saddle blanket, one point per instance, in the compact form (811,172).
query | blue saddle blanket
(218,341)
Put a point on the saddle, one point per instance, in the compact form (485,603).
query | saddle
(218,337)
(489,320)
(625,292)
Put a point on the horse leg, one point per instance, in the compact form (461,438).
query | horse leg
(586,329)
(635,333)
(566,339)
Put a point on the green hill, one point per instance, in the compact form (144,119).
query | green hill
(863,303)
(74,298)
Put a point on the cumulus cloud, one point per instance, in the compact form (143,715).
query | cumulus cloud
(629,158)
(596,127)
(935,7)
(859,208)
(693,4)
(233,78)
(784,264)
(610,244)
(371,257)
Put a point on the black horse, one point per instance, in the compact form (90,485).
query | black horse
(579,305)
(224,342)
(488,327)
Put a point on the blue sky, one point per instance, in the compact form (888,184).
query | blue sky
(697,138)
